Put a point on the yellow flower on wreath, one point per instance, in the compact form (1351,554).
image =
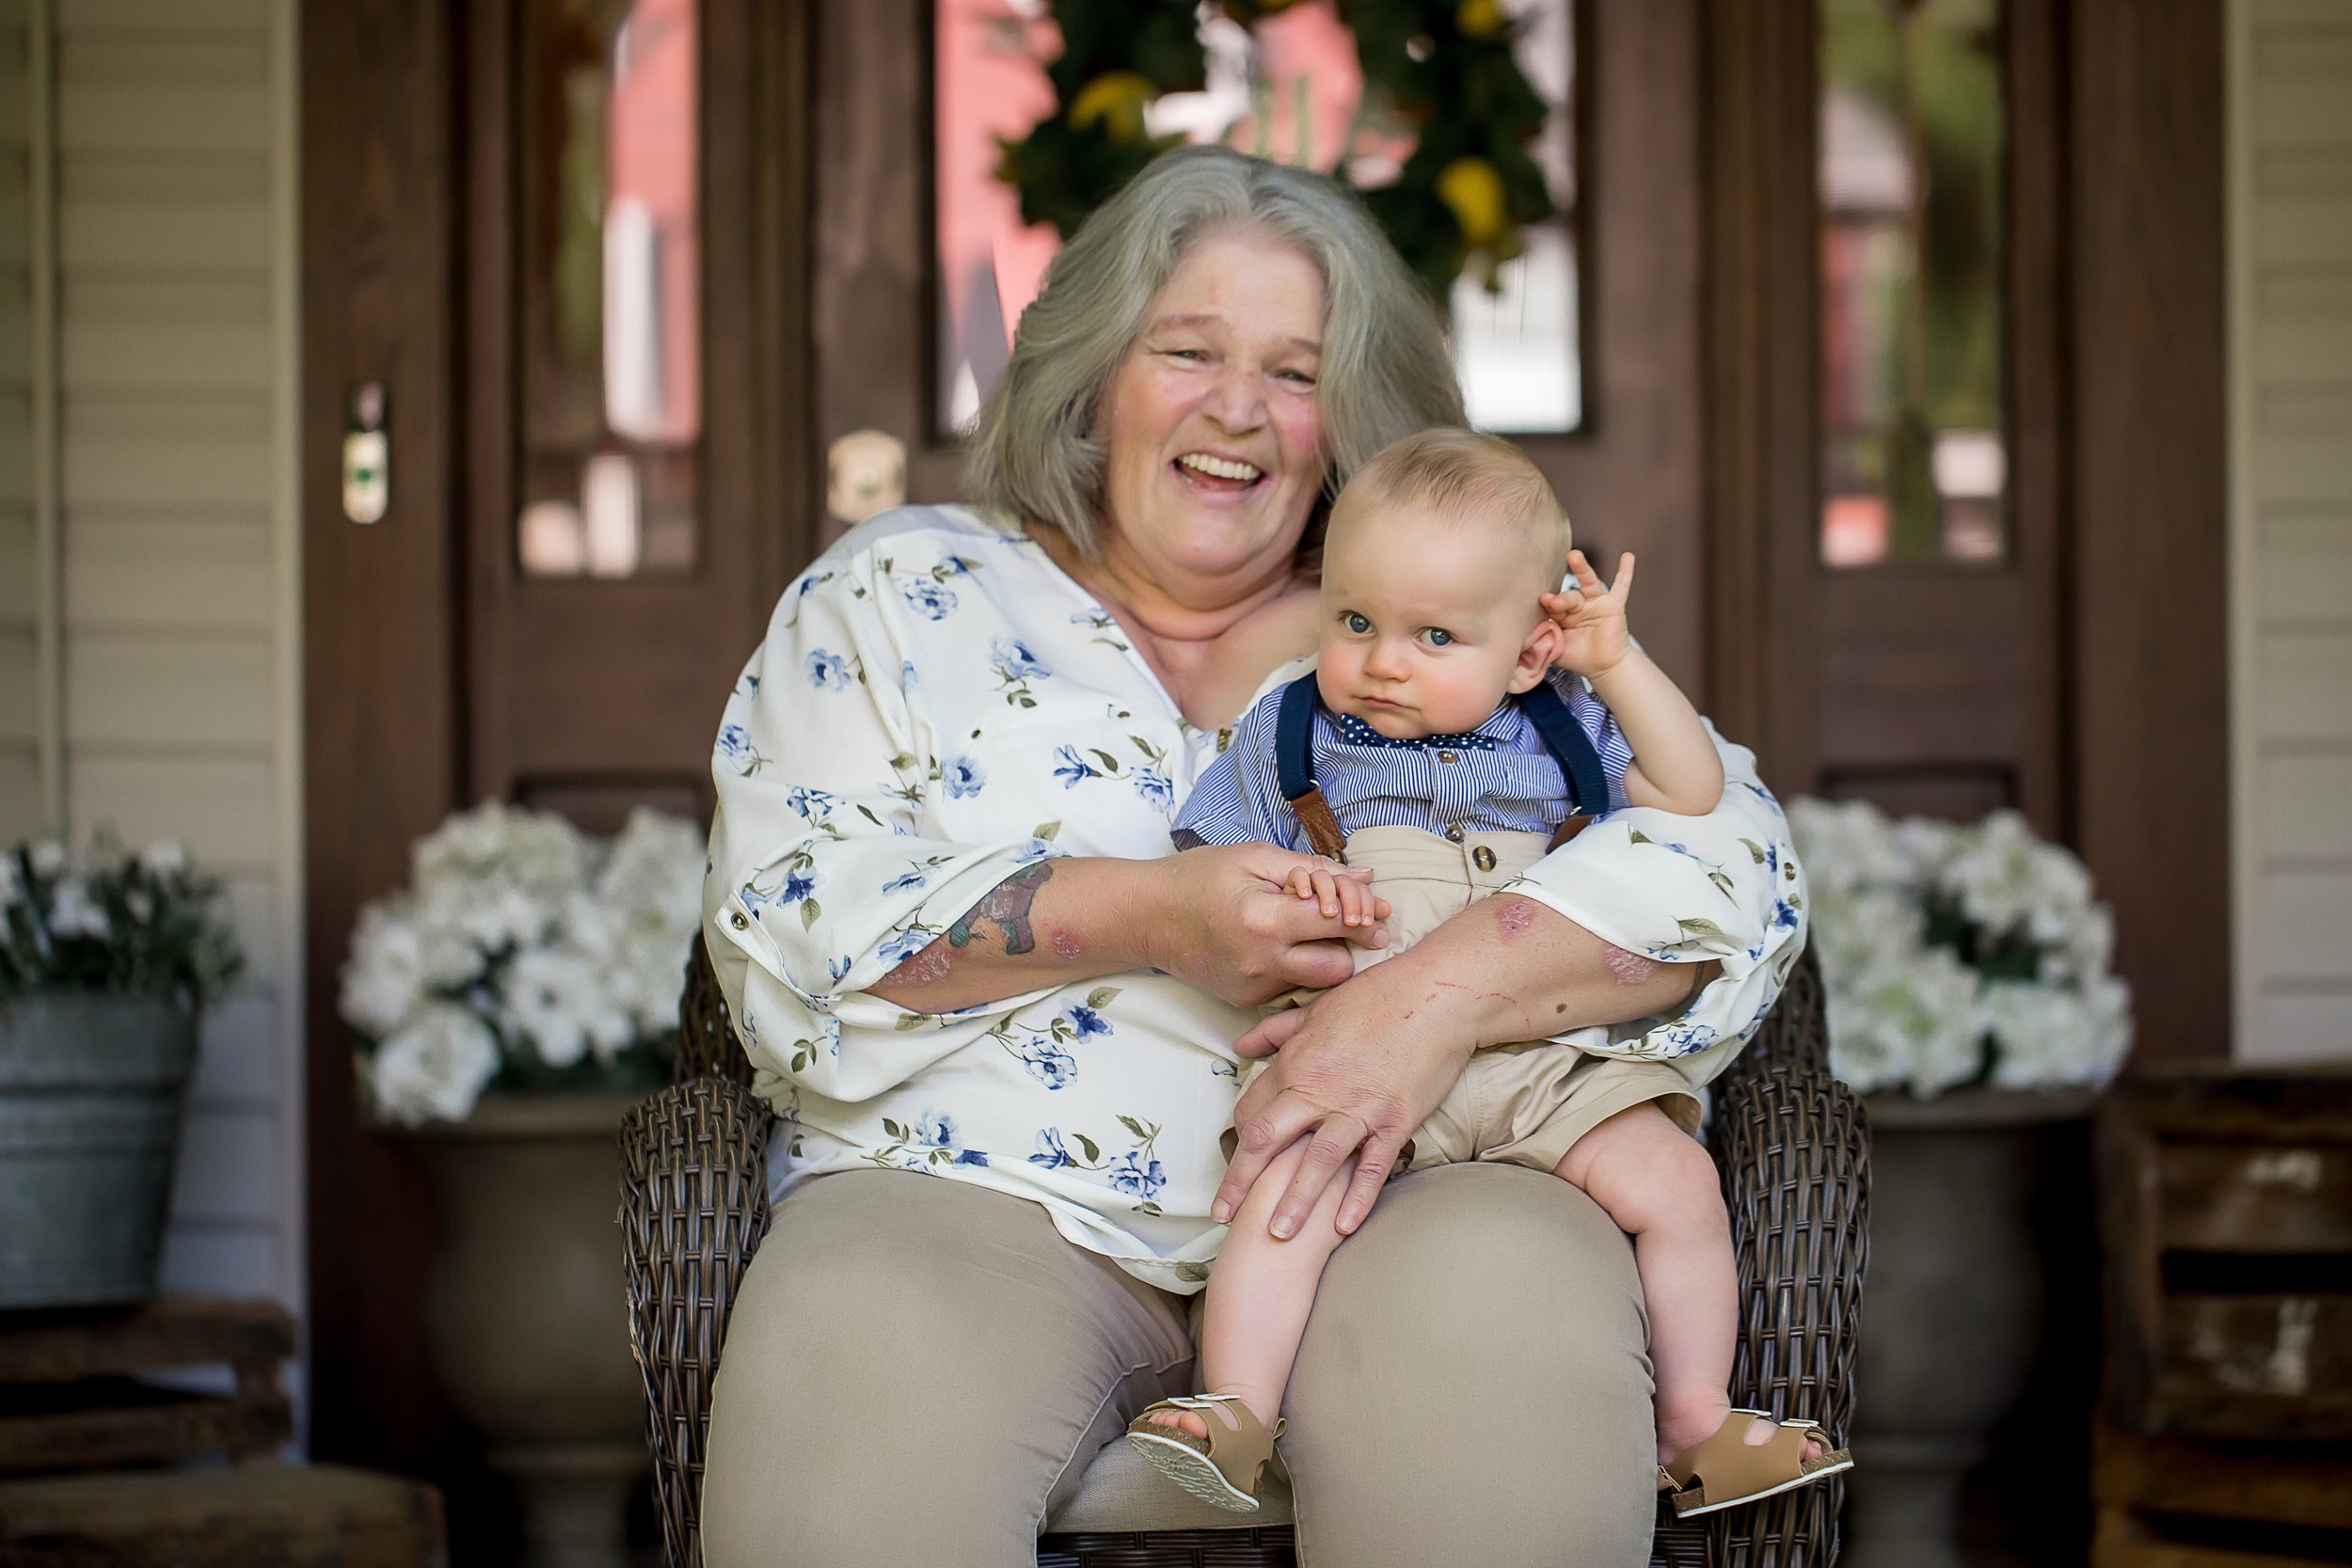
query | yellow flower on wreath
(1479,19)
(1115,98)
(1473,191)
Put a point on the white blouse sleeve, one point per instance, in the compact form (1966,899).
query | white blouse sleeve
(1725,887)
(821,878)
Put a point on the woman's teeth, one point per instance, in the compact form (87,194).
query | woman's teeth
(1218,468)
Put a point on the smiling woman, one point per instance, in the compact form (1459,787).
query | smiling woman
(955,943)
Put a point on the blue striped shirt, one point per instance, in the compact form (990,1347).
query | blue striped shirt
(1511,784)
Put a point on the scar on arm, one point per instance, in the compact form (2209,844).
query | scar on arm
(1515,915)
(1067,945)
(1627,968)
(926,968)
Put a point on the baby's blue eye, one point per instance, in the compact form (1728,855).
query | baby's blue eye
(1439,637)
(1356,623)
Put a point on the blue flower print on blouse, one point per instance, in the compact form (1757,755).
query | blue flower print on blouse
(1073,770)
(934,601)
(970,1156)
(1013,659)
(966,779)
(1085,1021)
(1051,1152)
(907,943)
(1158,792)
(1138,1176)
(829,672)
(907,882)
(810,804)
(935,1128)
(735,745)
(1048,1063)
(1688,1040)
(797,886)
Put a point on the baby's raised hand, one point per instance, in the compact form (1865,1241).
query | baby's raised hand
(1592,619)
(1341,891)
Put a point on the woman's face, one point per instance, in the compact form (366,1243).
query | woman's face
(1215,440)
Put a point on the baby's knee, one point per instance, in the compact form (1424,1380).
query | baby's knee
(1646,1172)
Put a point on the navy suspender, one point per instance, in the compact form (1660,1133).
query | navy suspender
(1580,763)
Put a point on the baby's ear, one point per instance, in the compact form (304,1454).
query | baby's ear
(1536,654)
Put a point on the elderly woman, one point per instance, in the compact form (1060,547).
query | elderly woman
(997,1015)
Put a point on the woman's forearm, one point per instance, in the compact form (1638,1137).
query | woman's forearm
(1050,924)
(1508,968)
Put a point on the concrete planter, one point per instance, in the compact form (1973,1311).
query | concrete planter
(526,1311)
(90,1093)
(1952,1308)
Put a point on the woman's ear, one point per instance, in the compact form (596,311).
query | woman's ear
(1536,654)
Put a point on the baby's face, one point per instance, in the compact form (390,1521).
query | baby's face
(1425,621)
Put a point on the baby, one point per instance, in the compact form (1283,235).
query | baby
(1435,745)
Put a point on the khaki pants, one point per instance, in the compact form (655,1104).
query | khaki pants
(919,1370)
(1524,1103)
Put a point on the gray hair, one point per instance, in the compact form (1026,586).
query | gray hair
(1386,371)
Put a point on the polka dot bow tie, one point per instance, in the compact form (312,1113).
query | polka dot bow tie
(1357,733)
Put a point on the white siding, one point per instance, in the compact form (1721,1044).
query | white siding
(23,810)
(176,325)
(2291,524)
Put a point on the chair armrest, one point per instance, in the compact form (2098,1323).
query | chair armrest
(693,1207)
(1794,1151)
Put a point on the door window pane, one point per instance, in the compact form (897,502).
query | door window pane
(1915,460)
(1289,89)
(609,331)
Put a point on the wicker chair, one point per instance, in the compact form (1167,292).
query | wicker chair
(1790,1142)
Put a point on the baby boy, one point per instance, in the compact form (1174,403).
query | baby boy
(1451,734)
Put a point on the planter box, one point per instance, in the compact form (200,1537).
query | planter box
(90,1090)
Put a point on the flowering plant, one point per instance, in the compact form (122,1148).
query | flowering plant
(108,920)
(524,956)
(1959,955)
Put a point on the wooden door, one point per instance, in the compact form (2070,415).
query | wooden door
(2063,675)
(631,509)
(442,667)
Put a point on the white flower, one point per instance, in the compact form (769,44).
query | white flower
(73,913)
(165,857)
(434,1067)
(397,961)
(2047,1035)
(556,999)
(1908,1021)
(535,854)
(48,858)
(2008,881)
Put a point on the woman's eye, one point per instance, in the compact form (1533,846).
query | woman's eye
(1356,623)
(1439,637)
(1298,377)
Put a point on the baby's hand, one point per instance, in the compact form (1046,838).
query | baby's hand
(1591,618)
(1343,892)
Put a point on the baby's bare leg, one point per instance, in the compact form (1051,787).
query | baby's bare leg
(1659,1184)
(1261,1293)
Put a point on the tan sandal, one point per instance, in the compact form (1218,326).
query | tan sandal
(1220,1470)
(1726,1469)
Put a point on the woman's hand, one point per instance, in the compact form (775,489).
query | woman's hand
(1228,923)
(1366,1064)
(1361,1067)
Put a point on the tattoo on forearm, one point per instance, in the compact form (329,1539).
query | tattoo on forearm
(1008,905)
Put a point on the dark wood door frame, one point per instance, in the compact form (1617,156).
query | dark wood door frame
(385,247)
(2119,457)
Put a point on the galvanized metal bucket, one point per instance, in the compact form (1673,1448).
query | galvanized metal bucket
(90,1090)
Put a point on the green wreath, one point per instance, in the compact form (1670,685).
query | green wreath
(1446,66)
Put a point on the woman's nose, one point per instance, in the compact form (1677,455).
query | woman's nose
(1235,400)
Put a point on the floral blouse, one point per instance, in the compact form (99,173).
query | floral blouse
(938,704)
